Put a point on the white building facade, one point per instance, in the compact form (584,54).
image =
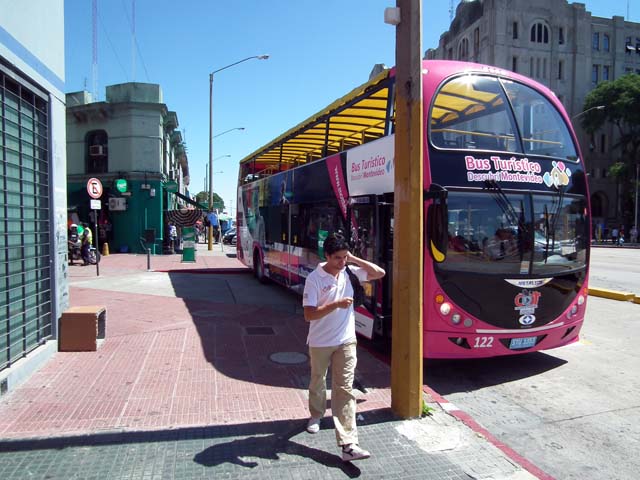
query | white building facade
(562,46)
(33,233)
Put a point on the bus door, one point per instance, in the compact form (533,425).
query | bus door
(385,260)
(365,243)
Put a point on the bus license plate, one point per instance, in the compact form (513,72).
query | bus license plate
(526,342)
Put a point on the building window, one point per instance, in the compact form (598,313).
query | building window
(561,36)
(514,64)
(515,30)
(531,67)
(595,70)
(97,152)
(537,68)
(561,70)
(628,48)
(450,54)
(476,42)
(539,33)
(605,42)
(605,72)
(544,68)
(595,41)
(603,143)
(463,49)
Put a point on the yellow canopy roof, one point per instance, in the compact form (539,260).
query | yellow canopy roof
(349,121)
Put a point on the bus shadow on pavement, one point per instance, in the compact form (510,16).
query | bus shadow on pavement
(256,333)
(455,376)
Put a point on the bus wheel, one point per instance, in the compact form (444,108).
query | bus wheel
(258,268)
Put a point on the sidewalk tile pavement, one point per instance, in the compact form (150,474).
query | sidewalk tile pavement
(184,386)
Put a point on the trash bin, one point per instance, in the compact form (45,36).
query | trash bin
(81,327)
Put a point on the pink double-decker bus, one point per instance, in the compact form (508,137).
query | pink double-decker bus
(506,203)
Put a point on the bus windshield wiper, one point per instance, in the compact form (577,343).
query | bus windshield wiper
(506,206)
(546,232)
(554,221)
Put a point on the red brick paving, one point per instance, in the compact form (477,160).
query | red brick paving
(166,364)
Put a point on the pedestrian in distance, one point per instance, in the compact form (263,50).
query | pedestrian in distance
(87,241)
(173,236)
(633,234)
(614,236)
(328,307)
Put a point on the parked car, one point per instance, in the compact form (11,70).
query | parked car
(229,238)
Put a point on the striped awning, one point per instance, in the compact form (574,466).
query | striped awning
(186,217)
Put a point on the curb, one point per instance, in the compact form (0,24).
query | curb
(465,418)
(614,295)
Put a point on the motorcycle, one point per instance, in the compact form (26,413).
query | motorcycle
(75,248)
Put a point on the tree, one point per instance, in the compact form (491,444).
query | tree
(621,99)
(203,198)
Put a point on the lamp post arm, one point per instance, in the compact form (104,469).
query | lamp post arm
(260,57)
(597,107)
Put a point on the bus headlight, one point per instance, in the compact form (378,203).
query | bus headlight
(445,309)
(580,300)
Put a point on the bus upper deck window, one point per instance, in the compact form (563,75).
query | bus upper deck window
(543,130)
(469,112)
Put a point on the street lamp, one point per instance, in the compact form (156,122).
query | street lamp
(597,107)
(257,57)
(206,175)
(227,131)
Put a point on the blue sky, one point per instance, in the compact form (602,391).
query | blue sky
(319,50)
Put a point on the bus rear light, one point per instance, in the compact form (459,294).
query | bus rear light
(445,309)
(455,318)
(580,300)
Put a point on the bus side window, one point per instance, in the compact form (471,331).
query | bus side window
(296,226)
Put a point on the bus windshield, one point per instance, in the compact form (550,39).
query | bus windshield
(496,233)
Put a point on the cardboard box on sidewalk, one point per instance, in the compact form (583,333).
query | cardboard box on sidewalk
(81,327)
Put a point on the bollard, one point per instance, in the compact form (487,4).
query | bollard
(148,259)
(105,249)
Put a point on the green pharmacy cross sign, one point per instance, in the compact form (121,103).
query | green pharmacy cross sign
(121,185)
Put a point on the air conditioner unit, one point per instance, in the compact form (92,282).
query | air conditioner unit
(117,204)
(96,150)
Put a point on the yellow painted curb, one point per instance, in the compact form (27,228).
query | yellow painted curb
(614,295)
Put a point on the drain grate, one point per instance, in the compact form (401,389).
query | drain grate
(259,331)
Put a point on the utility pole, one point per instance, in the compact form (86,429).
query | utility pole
(406,348)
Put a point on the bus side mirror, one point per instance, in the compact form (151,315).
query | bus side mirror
(437,223)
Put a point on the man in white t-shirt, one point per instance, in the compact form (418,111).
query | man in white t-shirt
(328,307)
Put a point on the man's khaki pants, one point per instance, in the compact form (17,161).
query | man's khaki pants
(343,401)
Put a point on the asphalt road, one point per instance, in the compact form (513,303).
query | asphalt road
(574,411)
(615,269)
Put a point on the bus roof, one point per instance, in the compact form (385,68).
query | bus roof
(356,117)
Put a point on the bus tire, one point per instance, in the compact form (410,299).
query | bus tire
(258,267)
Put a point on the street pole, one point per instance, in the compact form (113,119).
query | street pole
(406,347)
(258,57)
(210,233)
(635,211)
